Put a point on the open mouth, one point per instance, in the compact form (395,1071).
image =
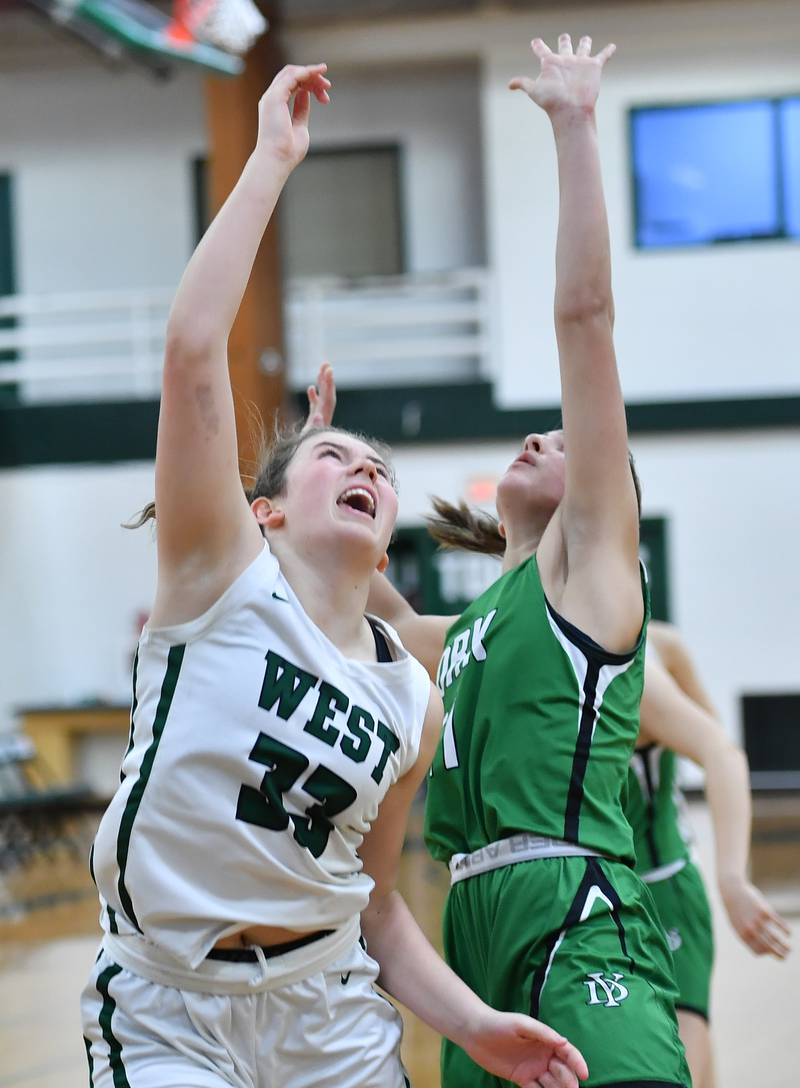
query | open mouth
(358,499)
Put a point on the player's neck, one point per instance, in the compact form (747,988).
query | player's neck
(519,548)
(335,600)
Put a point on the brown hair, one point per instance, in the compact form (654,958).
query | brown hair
(275,457)
(469,529)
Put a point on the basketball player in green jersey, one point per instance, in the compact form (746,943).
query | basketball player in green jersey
(541,679)
(677,717)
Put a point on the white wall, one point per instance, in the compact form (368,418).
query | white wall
(102,167)
(433,113)
(691,323)
(72,583)
(102,175)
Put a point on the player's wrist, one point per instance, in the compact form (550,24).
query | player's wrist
(271,158)
(730,882)
(570,117)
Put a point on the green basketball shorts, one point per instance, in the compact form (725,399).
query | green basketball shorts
(682,906)
(575,943)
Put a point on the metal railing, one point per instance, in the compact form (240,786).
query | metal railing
(96,345)
(397,330)
(106,345)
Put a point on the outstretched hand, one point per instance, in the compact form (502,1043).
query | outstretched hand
(760,927)
(283,125)
(567,80)
(524,1051)
(321,399)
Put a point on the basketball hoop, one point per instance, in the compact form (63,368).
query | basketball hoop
(232,25)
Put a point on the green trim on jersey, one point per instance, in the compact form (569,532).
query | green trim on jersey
(134,705)
(653,805)
(174,662)
(119,1075)
(88,1046)
(540,724)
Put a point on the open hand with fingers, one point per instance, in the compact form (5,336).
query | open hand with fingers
(760,927)
(283,124)
(321,399)
(568,80)
(525,1052)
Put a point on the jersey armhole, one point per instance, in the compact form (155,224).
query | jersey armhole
(258,576)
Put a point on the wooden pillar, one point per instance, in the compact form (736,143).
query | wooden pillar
(255,348)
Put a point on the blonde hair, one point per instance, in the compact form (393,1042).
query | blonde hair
(465,527)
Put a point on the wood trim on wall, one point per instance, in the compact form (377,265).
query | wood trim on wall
(255,346)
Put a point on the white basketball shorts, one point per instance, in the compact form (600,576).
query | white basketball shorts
(329,1029)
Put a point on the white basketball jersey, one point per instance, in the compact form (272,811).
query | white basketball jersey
(258,758)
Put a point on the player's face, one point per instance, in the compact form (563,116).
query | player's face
(533,484)
(339,489)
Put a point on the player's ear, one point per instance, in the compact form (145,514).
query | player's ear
(384,563)
(266,514)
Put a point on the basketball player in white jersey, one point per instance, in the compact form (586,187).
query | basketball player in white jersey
(277,740)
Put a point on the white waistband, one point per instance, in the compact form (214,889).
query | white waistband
(522,847)
(140,956)
(663,872)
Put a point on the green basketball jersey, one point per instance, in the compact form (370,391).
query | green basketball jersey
(655,809)
(540,724)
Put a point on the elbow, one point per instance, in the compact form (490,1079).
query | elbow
(190,346)
(584,308)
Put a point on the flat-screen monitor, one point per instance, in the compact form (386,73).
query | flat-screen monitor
(772,740)
(716,172)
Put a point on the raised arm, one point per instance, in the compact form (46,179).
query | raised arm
(514,1047)
(598,519)
(670,718)
(677,660)
(206,533)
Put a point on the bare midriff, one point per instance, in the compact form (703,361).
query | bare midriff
(262,935)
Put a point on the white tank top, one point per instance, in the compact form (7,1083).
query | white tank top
(258,758)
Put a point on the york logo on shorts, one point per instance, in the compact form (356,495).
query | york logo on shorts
(608,992)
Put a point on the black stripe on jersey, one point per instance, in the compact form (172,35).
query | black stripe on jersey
(580,760)
(90,1060)
(643,755)
(174,662)
(112,920)
(106,1013)
(588,647)
(134,704)
(91,866)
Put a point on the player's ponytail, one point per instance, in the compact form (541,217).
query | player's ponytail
(468,529)
(465,527)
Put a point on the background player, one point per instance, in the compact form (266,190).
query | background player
(677,717)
